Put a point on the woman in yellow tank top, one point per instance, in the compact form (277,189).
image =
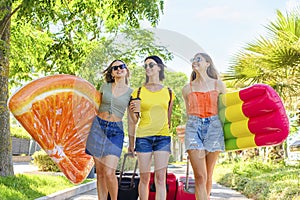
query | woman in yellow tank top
(204,138)
(153,136)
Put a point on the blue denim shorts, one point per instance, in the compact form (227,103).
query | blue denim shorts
(105,138)
(153,143)
(204,134)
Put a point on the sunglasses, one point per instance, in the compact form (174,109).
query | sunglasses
(151,65)
(122,66)
(196,59)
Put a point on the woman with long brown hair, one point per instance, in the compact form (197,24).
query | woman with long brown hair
(105,140)
(204,138)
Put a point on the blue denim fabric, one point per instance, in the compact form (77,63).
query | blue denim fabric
(153,143)
(204,134)
(105,138)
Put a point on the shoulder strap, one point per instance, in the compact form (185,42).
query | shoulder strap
(191,87)
(170,108)
(138,92)
(170,93)
(216,84)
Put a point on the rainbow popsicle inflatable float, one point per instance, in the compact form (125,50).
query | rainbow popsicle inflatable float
(253,117)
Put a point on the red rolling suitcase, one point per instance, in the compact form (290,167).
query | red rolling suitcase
(186,186)
(171,185)
(128,183)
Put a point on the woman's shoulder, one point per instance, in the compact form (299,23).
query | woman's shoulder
(167,88)
(104,86)
(186,88)
(136,89)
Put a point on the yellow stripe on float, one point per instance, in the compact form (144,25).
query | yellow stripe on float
(240,129)
(231,98)
(246,142)
(235,113)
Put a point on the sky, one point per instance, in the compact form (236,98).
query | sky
(218,27)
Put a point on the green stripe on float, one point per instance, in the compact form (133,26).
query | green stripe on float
(227,131)
(231,145)
(220,102)
(222,115)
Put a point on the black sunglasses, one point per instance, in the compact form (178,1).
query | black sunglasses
(122,66)
(151,65)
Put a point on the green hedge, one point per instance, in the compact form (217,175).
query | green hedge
(19,132)
(260,180)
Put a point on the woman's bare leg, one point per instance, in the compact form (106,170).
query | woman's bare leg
(107,180)
(144,160)
(161,159)
(211,159)
(197,158)
(101,182)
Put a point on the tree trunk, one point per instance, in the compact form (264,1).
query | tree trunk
(6,165)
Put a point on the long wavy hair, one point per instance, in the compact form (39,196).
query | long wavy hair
(108,72)
(211,69)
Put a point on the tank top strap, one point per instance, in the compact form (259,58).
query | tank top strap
(216,84)
(191,87)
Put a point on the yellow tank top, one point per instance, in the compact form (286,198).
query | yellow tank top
(154,112)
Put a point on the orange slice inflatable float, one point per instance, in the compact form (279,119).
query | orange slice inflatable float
(57,111)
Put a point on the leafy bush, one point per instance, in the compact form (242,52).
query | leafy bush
(44,162)
(256,189)
(172,159)
(19,132)
(259,180)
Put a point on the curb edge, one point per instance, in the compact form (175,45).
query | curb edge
(70,192)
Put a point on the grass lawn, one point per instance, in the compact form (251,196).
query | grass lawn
(32,186)
(260,181)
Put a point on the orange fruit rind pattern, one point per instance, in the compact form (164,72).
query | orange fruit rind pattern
(57,111)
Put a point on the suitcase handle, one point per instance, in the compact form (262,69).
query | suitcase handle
(187,173)
(122,169)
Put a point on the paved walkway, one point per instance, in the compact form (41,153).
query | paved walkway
(24,167)
(218,192)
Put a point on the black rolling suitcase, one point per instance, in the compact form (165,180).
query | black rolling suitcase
(128,182)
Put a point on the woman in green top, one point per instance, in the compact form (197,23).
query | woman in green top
(105,140)
(152,134)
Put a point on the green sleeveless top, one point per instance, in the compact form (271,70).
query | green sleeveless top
(110,103)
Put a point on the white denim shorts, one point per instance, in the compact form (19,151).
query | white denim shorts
(204,134)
